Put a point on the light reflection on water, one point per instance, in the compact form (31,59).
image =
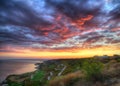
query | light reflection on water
(8,67)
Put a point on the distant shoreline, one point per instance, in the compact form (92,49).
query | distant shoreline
(16,66)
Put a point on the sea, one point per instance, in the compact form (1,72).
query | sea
(16,66)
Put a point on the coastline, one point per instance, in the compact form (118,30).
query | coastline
(16,66)
(52,72)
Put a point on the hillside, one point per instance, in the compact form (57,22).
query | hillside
(96,71)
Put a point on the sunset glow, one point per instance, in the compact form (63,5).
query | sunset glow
(59,28)
(64,54)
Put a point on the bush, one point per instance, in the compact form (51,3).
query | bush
(32,83)
(118,60)
(14,84)
(92,70)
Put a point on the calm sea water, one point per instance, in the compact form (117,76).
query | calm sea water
(13,66)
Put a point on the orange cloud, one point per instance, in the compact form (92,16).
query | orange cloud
(65,53)
(80,22)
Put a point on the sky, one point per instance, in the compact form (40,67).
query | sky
(59,28)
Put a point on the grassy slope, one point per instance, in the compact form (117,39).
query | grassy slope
(73,72)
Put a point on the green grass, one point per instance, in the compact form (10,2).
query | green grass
(38,76)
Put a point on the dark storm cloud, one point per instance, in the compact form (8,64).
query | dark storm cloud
(76,8)
(49,22)
(116,13)
(13,35)
(19,13)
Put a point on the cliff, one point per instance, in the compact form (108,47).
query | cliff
(96,71)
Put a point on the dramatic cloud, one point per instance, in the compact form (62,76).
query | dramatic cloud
(59,24)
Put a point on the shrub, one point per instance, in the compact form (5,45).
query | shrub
(92,70)
(32,83)
(118,60)
(14,84)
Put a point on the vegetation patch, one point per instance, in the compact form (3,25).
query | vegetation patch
(38,76)
(95,71)
(92,70)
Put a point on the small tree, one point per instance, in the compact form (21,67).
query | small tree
(93,70)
